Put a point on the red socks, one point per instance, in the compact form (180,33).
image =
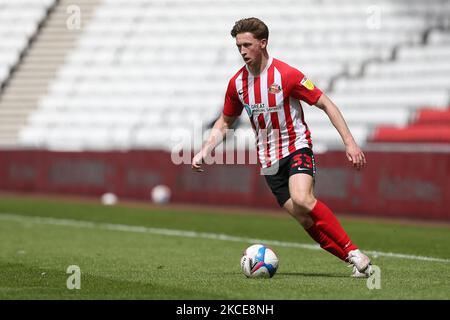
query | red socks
(326,243)
(328,232)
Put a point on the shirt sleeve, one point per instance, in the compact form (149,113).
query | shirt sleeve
(303,89)
(232,106)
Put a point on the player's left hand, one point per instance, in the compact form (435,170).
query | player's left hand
(355,156)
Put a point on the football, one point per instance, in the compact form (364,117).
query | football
(259,261)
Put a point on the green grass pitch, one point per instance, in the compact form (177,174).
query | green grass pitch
(152,261)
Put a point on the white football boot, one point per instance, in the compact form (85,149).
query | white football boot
(361,263)
(356,274)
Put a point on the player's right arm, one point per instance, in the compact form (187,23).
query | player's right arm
(216,136)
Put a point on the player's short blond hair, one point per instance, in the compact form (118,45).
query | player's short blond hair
(252,25)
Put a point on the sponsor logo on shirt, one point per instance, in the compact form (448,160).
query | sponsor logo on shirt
(248,109)
(258,108)
(307,83)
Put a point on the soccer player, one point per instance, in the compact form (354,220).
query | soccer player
(271,92)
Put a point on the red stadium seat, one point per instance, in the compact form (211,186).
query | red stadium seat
(430,126)
(432,116)
(414,133)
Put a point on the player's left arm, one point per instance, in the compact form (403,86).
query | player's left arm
(353,151)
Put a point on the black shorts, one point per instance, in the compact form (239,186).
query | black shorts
(301,161)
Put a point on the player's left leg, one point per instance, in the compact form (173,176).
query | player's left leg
(301,191)
(304,203)
(278,181)
(308,224)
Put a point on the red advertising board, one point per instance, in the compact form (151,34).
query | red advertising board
(399,184)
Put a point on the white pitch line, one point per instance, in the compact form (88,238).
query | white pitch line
(189,234)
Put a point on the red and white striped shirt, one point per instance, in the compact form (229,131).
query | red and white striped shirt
(272,101)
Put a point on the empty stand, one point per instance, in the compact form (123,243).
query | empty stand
(429,126)
(433,116)
(19,21)
(40,58)
(418,76)
(413,134)
(142,70)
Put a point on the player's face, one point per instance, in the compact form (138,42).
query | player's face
(250,48)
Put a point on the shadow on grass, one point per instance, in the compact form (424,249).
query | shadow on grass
(312,274)
(32,282)
(294,274)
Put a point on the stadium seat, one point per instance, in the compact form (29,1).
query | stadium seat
(154,68)
(19,21)
(414,133)
(433,116)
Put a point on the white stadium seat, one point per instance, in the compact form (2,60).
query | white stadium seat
(19,20)
(144,69)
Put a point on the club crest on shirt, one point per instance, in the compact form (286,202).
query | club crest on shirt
(274,88)
(307,83)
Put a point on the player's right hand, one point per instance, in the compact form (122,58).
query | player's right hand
(197,161)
